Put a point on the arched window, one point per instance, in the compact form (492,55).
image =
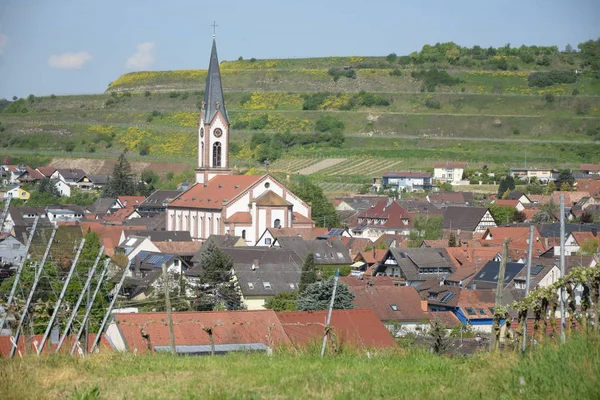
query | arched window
(202,155)
(244,234)
(217,154)
(277,223)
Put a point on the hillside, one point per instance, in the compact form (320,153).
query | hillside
(502,110)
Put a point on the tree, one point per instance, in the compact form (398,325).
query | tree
(309,273)
(216,279)
(120,182)
(550,187)
(565,187)
(502,214)
(441,341)
(391,58)
(507,183)
(317,296)
(546,214)
(426,228)
(47,186)
(589,247)
(323,212)
(452,240)
(586,218)
(178,284)
(564,176)
(446,187)
(283,301)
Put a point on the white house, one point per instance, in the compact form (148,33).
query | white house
(449,172)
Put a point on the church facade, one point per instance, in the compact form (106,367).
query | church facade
(221,203)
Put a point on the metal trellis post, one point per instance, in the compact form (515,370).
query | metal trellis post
(89,306)
(60,298)
(527,280)
(38,275)
(110,307)
(88,281)
(18,274)
(335,282)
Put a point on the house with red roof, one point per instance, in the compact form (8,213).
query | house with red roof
(221,203)
(575,240)
(590,169)
(384,217)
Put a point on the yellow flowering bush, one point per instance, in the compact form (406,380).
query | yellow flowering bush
(149,77)
(174,144)
(273,100)
(184,119)
(106,129)
(132,137)
(335,101)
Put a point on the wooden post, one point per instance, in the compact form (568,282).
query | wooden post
(495,342)
(168,308)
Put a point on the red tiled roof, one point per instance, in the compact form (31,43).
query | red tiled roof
(507,203)
(215,193)
(372,256)
(581,237)
(589,167)
(383,298)
(477,299)
(240,218)
(301,219)
(355,327)
(592,186)
(356,245)
(109,234)
(131,201)
(6,345)
(178,248)
(46,171)
(228,327)
(447,318)
(393,215)
(119,215)
(519,237)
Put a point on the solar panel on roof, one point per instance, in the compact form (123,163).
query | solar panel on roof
(447,297)
(537,269)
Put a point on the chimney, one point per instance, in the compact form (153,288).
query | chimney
(424,305)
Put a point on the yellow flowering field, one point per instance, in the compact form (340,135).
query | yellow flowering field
(175,144)
(273,100)
(184,119)
(132,137)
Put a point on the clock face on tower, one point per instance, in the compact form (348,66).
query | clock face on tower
(218,132)
(201,132)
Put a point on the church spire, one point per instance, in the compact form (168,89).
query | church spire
(213,94)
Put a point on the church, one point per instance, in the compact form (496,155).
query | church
(221,203)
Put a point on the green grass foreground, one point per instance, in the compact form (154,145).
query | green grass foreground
(569,371)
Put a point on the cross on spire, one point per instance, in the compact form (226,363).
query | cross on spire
(214,25)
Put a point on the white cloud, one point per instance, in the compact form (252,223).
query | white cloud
(3,41)
(143,57)
(69,60)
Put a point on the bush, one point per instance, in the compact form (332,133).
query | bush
(391,58)
(52,96)
(582,107)
(144,149)
(252,59)
(329,124)
(314,101)
(69,146)
(575,92)
(147,93)
(396,72)
(174,95)
(516,132)
(544,79)
(259,122)
(336,73)
(549,97)
(433,77)
(434,104)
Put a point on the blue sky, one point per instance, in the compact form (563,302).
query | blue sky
(79,46)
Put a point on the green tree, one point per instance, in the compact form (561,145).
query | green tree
(564,176)
(589,247)
(216,279)
(391,58)
(447,187)
(547,213)
(502,214)
(317,296)
(507,183)
(309,273)
(47,186)
(178,284)
(120,182)
(426,228)
(550,187)
(452,240)
(565,187)
(283,302)
(323,212)
(441,341)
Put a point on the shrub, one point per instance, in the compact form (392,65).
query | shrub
(149,118)
(396,72)
(174,95)
(391,58)
(69,146)
(549,97)
(336,73)
(314,101)
(329,123)
(434,104)
(544,79)
(144,149)
(258,122)
(52,96)
(575,92)
(147,93)
(184,95)
(252,59)
(516,132)
(582,107)
(433,77)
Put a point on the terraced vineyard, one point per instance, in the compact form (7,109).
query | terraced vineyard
(486,116)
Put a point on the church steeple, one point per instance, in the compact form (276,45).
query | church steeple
(213,94)
(213,132)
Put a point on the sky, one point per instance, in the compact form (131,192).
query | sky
(80,46)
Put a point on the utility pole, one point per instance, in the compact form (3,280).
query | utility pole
(527,280)
(499,289)
(168,307)
(36,280)
(335,282)
(13,290)
(562,267)
(60,298)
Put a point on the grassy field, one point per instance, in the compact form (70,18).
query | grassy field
(569,371)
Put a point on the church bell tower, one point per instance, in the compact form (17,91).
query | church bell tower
(213,132)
